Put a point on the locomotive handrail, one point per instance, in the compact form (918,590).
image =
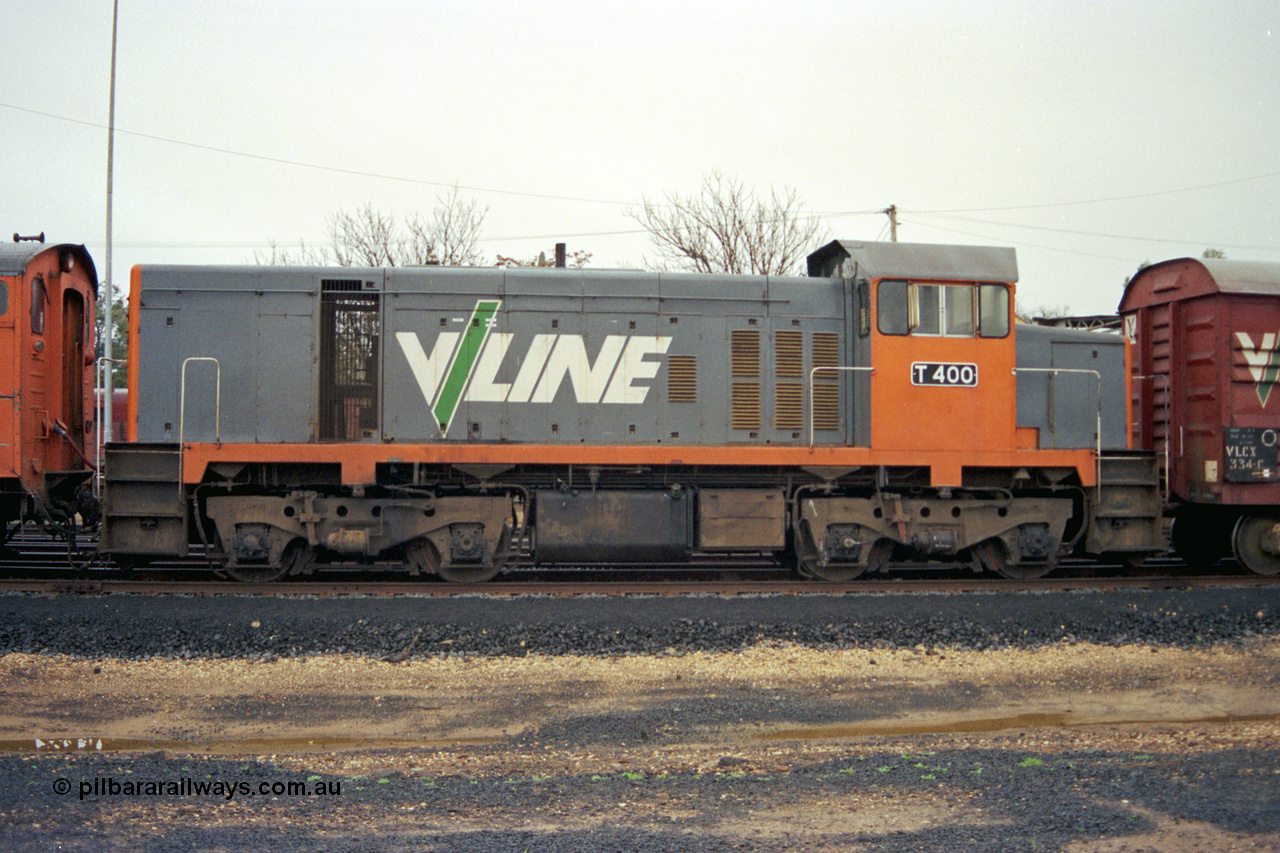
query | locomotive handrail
(1098,424)
(811,376)
(1168,422)
(100,395)
(217,404)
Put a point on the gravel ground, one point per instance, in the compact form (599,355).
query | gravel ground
(1072,722)
(256,627)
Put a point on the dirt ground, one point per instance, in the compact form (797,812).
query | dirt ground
(777,693)
(775,747)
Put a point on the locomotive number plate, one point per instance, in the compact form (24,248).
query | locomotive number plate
(944,373)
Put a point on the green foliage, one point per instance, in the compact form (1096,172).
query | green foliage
(119,338)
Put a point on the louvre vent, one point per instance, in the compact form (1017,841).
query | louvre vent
(744,405)
(826,386)
(682,379)
(744,352)
(341,285)
(788,354)
(826,406)
(788,406)
(826,351)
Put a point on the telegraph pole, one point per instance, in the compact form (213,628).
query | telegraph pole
(892,212)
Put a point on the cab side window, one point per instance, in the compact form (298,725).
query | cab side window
(948,310)
(4,299)
(993,310)
(38,298)
(892,310)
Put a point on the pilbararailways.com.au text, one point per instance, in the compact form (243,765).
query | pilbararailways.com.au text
(109,786)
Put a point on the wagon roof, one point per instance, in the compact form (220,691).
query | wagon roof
(915,260)
(1245,276)
(1159,283)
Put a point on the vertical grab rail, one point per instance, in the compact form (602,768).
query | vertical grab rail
(182,411)
(1168,424)
(811,377)
(1098,422)
(100,395)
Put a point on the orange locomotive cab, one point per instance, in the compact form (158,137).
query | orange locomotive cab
(48,297)
(948,381)
(936,322)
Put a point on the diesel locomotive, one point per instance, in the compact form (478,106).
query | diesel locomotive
(882,408)
(48,299)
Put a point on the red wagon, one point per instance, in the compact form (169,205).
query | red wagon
(1205,369)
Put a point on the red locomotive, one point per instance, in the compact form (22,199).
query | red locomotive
(48,299)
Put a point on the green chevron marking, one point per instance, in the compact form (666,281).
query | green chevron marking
(464,361)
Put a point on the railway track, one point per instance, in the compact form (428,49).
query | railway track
(39,565)
(662,583)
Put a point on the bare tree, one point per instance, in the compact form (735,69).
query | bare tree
(365,238)
(450,234)
(370,238)
(304,255)
(728,228)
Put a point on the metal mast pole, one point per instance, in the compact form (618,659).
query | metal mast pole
(108,326)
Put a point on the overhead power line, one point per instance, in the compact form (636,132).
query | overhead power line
(317,166)
(1092,233)
(1136,196)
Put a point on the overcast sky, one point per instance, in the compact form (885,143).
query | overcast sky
(1089,136)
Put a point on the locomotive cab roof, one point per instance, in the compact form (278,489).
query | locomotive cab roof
(854,259)
(16,257)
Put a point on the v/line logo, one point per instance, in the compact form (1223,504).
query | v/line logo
(1263,361)
(463,366)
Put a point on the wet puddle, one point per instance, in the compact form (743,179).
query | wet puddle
(1065,720)
(241,746)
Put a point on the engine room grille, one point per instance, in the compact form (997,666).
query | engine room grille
(826,351)
(826,406)
(341,285)
(744,405)
(826,386)
(682,379)
(349,353)
(788,354)
(744,352)
(788,406)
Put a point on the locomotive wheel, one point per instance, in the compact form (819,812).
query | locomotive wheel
(422,558)
(876,560)
(1256,543)
(810,568)
(469,574)
(995,558)
(297,558)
